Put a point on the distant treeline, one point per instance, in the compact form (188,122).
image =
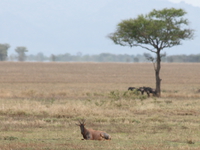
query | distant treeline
(107,57)
(104,57)
(79,57)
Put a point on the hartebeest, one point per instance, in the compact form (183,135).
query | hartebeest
(90,134)
(148,90)
(143,89)
(131,88)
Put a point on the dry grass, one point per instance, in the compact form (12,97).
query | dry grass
(41,102)
(78,79)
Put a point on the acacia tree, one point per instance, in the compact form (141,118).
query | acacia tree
(21,53)
(4,51)
(154,32)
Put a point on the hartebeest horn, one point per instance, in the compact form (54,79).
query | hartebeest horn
(81,122)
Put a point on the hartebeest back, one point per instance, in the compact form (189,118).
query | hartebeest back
(90,134)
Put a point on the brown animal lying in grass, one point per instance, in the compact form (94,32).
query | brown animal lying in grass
(90,134)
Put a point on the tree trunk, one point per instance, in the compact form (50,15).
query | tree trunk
(157,73)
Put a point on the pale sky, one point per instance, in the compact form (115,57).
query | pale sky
(73,26)
(192,2)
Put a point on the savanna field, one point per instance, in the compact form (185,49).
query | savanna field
(40,104)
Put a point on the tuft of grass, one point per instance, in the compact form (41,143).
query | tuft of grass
(190,142)
(10,138)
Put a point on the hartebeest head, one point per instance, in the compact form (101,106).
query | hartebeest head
(90,134)
(82,125)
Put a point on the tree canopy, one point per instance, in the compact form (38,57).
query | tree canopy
(155,31)
(21,53)
(4,51)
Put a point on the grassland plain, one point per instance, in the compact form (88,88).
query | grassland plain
(40,103)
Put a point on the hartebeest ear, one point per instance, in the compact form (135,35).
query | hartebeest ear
(77,124)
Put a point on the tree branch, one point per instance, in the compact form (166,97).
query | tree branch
(151,50)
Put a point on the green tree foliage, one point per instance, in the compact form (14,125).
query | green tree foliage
(155,31)
(21,53)
(4,51)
